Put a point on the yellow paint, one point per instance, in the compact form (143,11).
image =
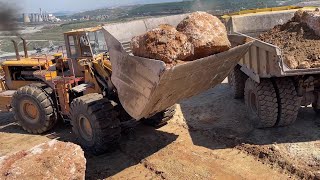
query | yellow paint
(49,75)
(26,62)
(266,10)
(90,79)
(91,29)
(62,91)
(57,55)
(3,85)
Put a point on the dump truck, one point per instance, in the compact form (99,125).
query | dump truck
(100,85)
(273,92)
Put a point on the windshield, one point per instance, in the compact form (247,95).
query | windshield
(97,42)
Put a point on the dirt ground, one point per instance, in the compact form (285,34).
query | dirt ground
(210,137)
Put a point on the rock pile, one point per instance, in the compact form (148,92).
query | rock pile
(298,39)
(197,36)
(52,160)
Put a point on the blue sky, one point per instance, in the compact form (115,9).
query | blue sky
(73,5)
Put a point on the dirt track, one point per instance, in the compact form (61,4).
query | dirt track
(210,137)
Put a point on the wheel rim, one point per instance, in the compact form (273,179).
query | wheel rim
(30,111)
(85,128)
(253,103)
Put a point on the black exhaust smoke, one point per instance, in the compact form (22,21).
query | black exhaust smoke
(8,18)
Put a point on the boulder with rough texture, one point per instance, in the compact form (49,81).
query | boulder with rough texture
(206,32)
(291,61)
(52,160)
(163,43)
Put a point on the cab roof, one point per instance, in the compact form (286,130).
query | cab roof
(82,30)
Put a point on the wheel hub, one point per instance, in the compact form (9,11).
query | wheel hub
(85,128)
(30,111)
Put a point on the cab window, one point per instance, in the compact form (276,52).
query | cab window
(72,46)
(85,46)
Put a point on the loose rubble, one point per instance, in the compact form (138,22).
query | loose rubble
(298,39)
(52,160)
(198,35)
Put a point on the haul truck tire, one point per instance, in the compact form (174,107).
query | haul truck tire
(95,123)
(160,119)
(237,80)
(261,103)
(315,109)
(34,109)
(288,101)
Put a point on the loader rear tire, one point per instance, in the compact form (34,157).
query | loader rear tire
(160,119)
(288,101)
(237,80)
(34,109)
(95,123)
(261,103)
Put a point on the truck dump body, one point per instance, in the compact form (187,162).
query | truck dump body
(264,60)
(147,86)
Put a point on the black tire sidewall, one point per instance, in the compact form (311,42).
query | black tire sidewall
(253,116)
(76,128)
(45,122)
(103,118)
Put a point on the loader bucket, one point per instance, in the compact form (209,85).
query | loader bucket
(147,86)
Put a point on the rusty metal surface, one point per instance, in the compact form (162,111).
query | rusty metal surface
(5,100)
(146,86)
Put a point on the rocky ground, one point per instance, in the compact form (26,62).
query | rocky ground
(210,137)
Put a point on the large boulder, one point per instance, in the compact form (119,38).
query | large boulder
(206,32)
(52,160)
(311,18)
(163,43)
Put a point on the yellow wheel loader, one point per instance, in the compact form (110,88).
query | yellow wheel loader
(99,86)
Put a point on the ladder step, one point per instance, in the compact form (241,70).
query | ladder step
(81,87)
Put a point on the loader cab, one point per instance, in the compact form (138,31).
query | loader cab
(84,44)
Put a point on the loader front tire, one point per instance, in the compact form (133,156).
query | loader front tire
(261,103)
(237,80)
(34,109)
(95,123)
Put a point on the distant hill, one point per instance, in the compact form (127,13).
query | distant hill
(216,7)
(63,13)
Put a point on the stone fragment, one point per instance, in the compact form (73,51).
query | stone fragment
(291,61)
(52,160)
(304,65)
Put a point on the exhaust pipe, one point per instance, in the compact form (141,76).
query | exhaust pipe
(25,47)
(16,49)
